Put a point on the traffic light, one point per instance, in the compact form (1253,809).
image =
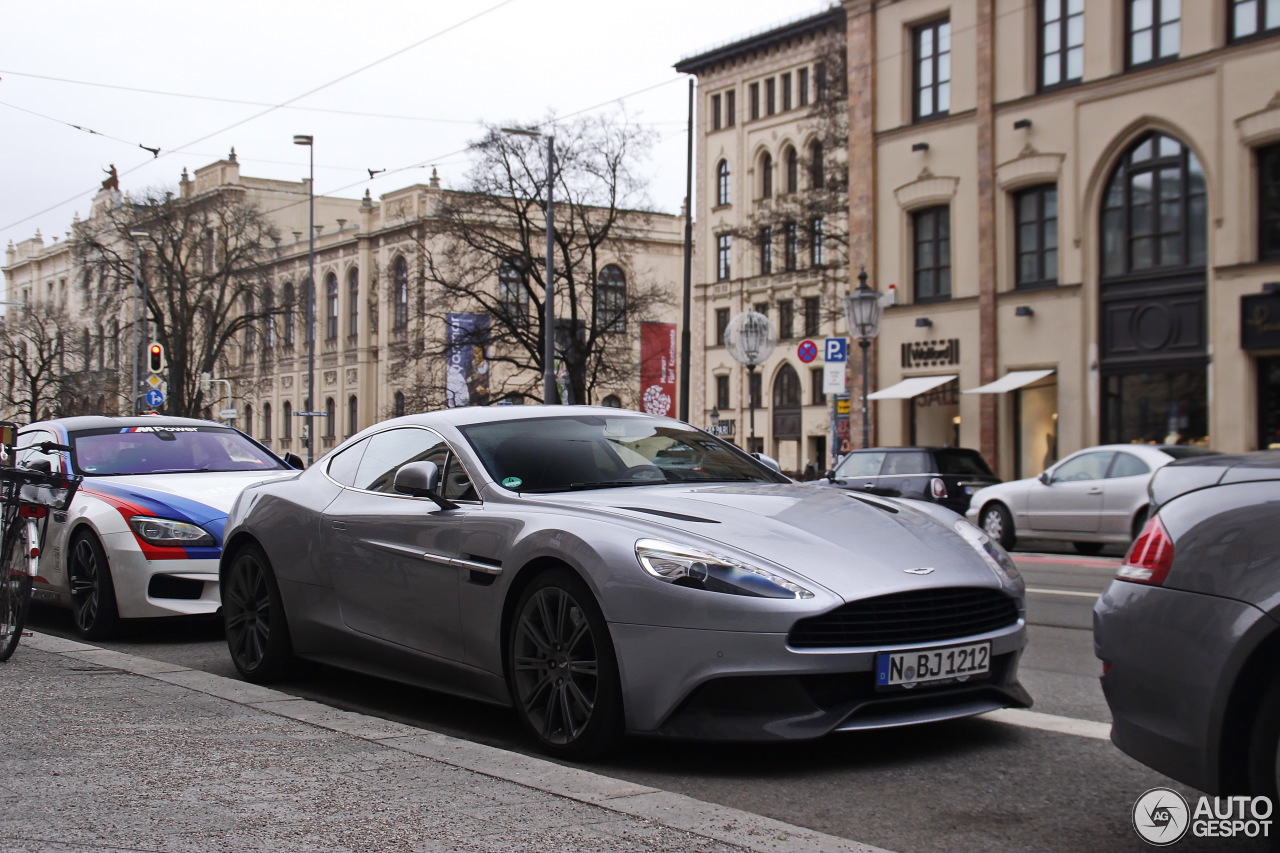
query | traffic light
(155,358)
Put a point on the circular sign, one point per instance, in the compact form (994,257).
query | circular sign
(807,351)
(154,398)
(1160,816)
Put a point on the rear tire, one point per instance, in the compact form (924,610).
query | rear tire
(1089,549)
(998,524)
(15,588)
(93,594)
(253,618)
(561,668)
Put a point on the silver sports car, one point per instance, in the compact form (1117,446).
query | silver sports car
(605,571)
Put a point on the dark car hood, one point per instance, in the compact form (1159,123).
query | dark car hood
(856,546)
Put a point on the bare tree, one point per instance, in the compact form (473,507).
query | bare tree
(205,264)
(482,251)
(38,344)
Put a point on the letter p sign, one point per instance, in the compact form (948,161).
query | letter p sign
(835,349)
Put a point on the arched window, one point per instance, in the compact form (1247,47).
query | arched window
(513,293)
(353,415)
(817,169)
(793,170)
(722,182)
(1154,212)
(266,421)
(399,404)
(353,302)
(331,307)
(286,421)
(612,401)
(331,415)
(269,309)
(786,388)
(290,314)
(400,293)
(766,176)
(611,299)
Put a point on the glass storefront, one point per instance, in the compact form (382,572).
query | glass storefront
(1036,419)
(935,417)
(1269,403)
(1156,407)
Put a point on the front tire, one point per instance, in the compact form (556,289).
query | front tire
(93,594)
(998,524)
(1264,746)
(253,618)
(561,668)
(15,589)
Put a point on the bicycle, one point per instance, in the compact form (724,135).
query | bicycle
(27,494)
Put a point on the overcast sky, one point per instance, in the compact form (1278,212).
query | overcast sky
(162,73)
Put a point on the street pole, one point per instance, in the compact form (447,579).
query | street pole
(302,139)
(685,337)
(864,344)
(136,234)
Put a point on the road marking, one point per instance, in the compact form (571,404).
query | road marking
(1051,723)
(1063,592)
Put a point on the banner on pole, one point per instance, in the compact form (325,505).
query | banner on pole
(658,368)
(467,367)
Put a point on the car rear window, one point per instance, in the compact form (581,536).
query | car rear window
(963,463)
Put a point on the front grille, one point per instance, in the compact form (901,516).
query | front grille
(907,618)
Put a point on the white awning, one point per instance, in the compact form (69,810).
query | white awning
(908,388)
(1011,380)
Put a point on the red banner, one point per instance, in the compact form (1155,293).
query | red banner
(658,368)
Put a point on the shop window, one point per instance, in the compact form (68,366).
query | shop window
(1156,407)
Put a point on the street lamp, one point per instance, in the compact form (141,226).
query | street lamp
(750,339)
(309,414)
(862,310)
(715,421)
(549,313)
(135,235)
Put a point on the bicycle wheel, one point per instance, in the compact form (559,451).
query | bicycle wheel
(15,588)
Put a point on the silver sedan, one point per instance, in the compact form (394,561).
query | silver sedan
(604,571)
(1094,497)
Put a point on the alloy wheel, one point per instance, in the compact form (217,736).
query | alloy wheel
(556,666)
(247,610)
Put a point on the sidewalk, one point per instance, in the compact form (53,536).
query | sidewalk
(104,751)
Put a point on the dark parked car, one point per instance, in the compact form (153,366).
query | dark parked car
(943,475)
(1188,632)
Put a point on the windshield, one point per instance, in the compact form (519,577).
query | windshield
(589,451)
(167,450)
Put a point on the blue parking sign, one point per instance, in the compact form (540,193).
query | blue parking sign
(835,349)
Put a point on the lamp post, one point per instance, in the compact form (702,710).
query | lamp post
(862,310)
(136,234)
(750,340)
(715,421)
(549,313)
(309,414)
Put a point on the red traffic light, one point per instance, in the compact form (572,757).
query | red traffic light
(155,358)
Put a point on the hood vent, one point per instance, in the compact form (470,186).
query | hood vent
(672,515)
(877,504)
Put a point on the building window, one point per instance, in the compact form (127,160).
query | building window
(1061,42)
(761,308)
(817,397)
(766,250)
(770,96)
(766,176)
(812,316)
(715,112)
(400,293)
(331,307)
(398,404)
(817,250)
(1154,28)
(820,81)
(723,246)
(613,401)
(1254,17)
(1269,203)
(793,169)
(286,421)
(802,86)
(817,169)
(309,311)
(1036,240)
(791,246)
(753,95)
(722,183)
(1153,215)
(513,294)
(266,421)
(353,303)
(611,299)
(330,415)
(754,385)
(932,234)
(722,393)
(248,420)
(786,319)
(730,108)
(353,416)
(786,92)
(932,69)
(290,314)
(722,323)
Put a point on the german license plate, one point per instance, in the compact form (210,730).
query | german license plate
(924,665)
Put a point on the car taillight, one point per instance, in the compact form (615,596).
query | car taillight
(937,488)
(1150,556)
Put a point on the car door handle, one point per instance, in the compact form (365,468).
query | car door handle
(339,525)
(1095,491)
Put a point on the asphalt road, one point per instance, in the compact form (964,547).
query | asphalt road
(965,785)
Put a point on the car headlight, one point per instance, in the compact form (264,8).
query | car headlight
(170,533)
(997,558)
(699,569)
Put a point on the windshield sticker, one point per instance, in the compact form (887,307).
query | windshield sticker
(160,429)
(512,482)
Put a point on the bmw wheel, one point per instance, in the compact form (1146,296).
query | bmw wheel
(253,618)
(998,524)
(93,595)
(561,668)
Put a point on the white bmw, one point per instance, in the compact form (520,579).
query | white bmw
(143,535)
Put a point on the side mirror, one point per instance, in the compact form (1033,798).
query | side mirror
(830,475)
(768,461)
(293,460)
(1045,478)
(422,480)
